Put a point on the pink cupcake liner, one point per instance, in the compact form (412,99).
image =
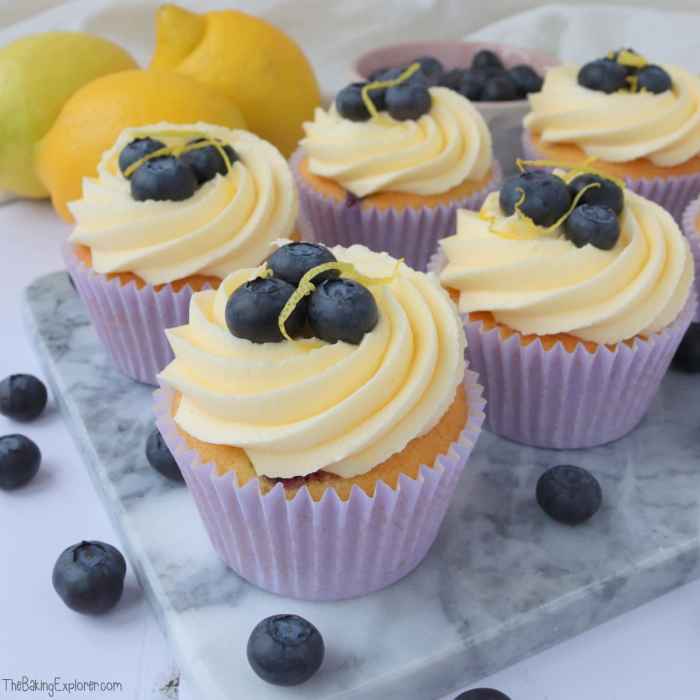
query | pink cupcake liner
(129,321)
(329,549)
(673,193)
(692,232)
(567,400)
(411,234)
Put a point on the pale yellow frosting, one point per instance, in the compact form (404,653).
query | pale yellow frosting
(229,223)
(547,286)
(622,126)
(442,149)
(296,407)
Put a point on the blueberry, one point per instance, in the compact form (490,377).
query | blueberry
(163,178)
(594,224)
(629,70)
(408,101)
(342,309)
(526,79)
(161,458)
(603,75)
(482,694)
(292,261)
(89,577)
(472,84)
(486,59)
(350,104)
(546,200)
(499,89)
(653,79)
(19,461)
(430,67)
(206,162)
(451,79)
(285,650)
(22,397)
(569,494)
(608,194)
(253,310)
(137,149)
(687,357)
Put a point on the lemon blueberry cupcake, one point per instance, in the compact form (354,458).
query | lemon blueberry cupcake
(319,409)
(575,293)
(173,210)
(640,121)
(390,162)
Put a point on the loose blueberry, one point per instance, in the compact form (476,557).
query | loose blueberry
(285,650)
(292,261)
(653,79)
(547,197)
(608,194)
(526,79)
(594,224)
(687,357)
(486,59)
(482,694)
(500,89)
(22,397)
(89,577)
(350,104)
(603,75)
(206,162)
(342,309)
(451,79)
(137,149)
(253,310)
(20,459)
(161,458)
(163,178)
(431,68)
(569,494)
(472,84)
(408,101)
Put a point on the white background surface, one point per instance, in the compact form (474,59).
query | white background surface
(649,654)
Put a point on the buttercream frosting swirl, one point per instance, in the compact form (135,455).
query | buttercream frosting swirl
(428,156)
(546,285)
(297,407)
(623,126)
(229,223)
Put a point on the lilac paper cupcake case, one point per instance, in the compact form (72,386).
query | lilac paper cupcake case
(692,233)
(329,549)
(129,321)
(673,193)
(411,234)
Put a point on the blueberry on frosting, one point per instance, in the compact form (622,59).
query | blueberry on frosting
(539,195)
(291,262)
(606,193)
(207,162)
(410,101)
(624,70)
(594,224)
(350,104)
(603,75)
(163,178)
(653,79)
(136,150)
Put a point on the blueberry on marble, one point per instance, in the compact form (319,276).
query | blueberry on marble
(408,101)
(161,458)
(653,79)
(253,310)
(472,84)
(500,88)
(285,650)
(89,577)
(607,194)
(292,261)
(207,162)
(687,357)
(487,59)
(594,224)
(603,75)
(22,397)
(569,494)
(546,196)
(350,104)
(20,459)
(137,149)
(482,694)
(163,178)
(525,78)
(342,309)
(430,67)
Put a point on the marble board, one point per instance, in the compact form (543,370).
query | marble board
(502,582)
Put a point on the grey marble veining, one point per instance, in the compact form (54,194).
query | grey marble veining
(502,582)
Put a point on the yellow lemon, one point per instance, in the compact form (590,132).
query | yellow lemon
(254,63)
(94,116)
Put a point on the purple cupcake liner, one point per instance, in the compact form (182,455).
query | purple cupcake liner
(692,233)
(673,193)
(129,321)
(568,400)
(411,234)
(329,549)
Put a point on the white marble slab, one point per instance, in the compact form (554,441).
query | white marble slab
(502,582)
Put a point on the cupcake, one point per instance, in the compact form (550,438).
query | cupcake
(389,164)
(173,210)
(575,293)
(691,228)
(639,121)
(322,461)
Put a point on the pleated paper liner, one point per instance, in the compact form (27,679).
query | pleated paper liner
(411,234)
(692,231)
(329,549)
